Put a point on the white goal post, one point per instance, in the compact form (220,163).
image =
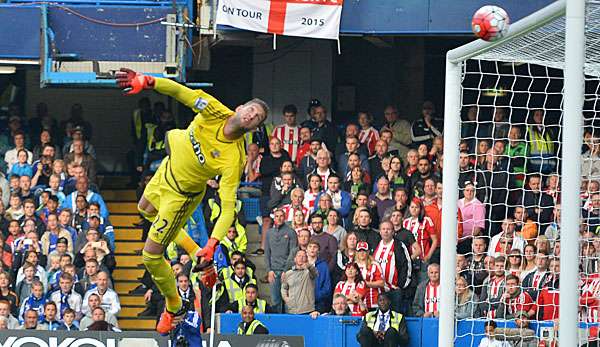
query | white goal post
(555,37)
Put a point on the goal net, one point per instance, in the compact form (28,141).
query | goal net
(510,162)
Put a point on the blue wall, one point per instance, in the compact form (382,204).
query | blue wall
(341,332)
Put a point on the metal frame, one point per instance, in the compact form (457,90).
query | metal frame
(574,10)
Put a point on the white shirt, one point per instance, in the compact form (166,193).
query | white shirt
(74,301)
(486,342)
(110,301)
(518,243)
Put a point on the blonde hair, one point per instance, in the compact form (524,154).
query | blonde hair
(464,297)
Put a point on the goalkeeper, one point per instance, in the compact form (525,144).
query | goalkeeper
(213,144)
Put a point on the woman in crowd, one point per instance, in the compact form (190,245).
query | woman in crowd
(345,255)
(299,222)
(514,262)
(395,175)
(529,253)
(314,188)
(333,225)
(482,148)
(356,182)
(21,167)
(325,205)
(465,300)
(371,273)
(368,135)
(473,213)
(422,229)
(543,244)
(354,288)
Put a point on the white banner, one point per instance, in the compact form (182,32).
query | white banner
(307,18)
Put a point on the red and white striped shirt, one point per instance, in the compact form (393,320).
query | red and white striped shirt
(547,303)
(369,138)
(346,288)
(495,286)
(309,200)
(324,175)
(589,299)
(432,297)
(289,137)
(421,231)
(385,257)
(373,273)
(289,211)
(522,302)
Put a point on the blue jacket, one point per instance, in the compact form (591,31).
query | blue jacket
(21,170)
(322,285)
(346,205)
(188,329)
(342,164)
(90,197)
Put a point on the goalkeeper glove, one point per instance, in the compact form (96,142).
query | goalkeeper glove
(133,82)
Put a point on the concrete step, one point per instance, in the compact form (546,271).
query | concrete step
(252,233)
(119,195)
(128,260)
(128,247)
(137,324)
(122,207)
(123,288)
(132,300)
(130,312)
(127,274)
(134,234)
(127,220)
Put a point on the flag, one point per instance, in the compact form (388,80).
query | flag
(306,18)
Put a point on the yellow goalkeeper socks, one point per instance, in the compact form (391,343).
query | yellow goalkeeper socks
(164,278)
(183,240)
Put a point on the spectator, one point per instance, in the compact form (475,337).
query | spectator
(539,205)
(353,287)
(22,166)
(382,198)
(490,336)
(66,297)
(308,162)
(493,289)
(252,168)
(514,263)
(396,267)
(323,287)
(29,213)
(427,297)
(404,235)
(399,128)
(68,322)
(5,312)
(352,147)
(425,129)
(99,324)
(299,222)
(345,255)
(83,189)
(270,166)
(280,240)
(338,308)
(524,226)
(371,272)
(341,200)
(368,135)
(298,285)
(15,210)
(473,213)
(327,243)
(103,225)
(53,234)
(234,282)
(357,181)
(49,322)
(381,152)
(515,300)
(11,156)
(6,294)
(539,279)
(508,233)
(395,174)
(34,301)
(553,230)
(547,303)
(323,166)
(412,161)
(541,147)
(250,299)
(383,327)
(25,188)
(26,277)
(314,189)
(296,197)
(30,321)
(363,229)
(83,158)
(333,227)
(492,190)
(45,140)
(249,325)
(417,179)
(110,299)
(421,227)
(289,132)
(466,300)
(324,130)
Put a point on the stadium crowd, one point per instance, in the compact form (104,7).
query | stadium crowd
(345,216)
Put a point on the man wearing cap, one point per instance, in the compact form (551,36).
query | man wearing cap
(383,327)
(425,129)
(76,135)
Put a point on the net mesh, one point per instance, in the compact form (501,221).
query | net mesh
(512,116)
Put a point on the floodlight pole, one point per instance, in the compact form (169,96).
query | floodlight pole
(453,97)
(574,86)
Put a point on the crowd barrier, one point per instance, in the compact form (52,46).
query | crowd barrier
(335,331)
